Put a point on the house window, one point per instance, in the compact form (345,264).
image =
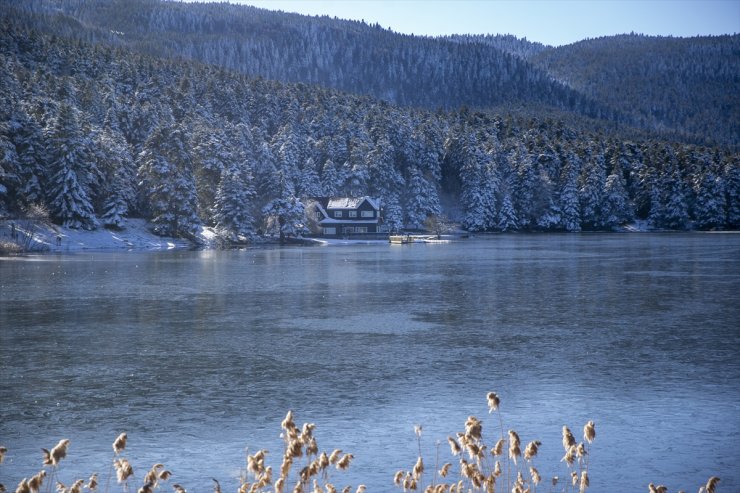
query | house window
(368,213)
(337,213)
(361,229)
(319,216)
(349,229)
(352,213)
(330,231)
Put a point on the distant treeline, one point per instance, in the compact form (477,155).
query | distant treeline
(98,133)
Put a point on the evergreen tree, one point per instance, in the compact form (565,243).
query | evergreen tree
(70,172)
(285,216)
(233,203)
(421,201)
(710,208)
(165,171)
(569,203)
(616,209)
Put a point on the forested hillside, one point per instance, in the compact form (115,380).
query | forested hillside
(97,133)
(690,86)
(685,88)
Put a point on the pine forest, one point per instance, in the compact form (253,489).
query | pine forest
(245,115)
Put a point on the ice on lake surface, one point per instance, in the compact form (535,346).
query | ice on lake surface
(199,355)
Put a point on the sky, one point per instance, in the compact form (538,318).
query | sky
(553,22)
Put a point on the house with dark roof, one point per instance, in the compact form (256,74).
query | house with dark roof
(348,216)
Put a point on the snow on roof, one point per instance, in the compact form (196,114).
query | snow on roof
(350,203)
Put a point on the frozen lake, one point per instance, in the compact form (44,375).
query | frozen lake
(198,355)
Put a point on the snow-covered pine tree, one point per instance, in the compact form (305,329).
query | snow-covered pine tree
(421,200)
(616,206)
(477,195)
(731,173)
(710,211)
(285,217)
(392,213)
(211,153)
(167,182)
(234,203)
(568,203)
(506,217)
(10,179)
(676,209)
(592,184)
(68,195)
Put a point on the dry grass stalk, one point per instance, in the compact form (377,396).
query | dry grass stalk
(568,438)
(92,483)
(584,481)
(334,456)
(119,444)
(589,432)
(536,478)
(473,428)
(418,469)
(581,451)
(711,484)
(455,448)
(514,443)
(570,456)
(34,484)
(123,469)
(493,401)
(23,486)
(531,450)
(498,449)
(343,463)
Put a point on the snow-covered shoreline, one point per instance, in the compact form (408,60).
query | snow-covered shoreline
(44,238)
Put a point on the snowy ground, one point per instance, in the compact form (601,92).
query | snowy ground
(137,236)
(49,238)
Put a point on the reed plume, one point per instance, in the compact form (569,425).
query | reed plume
(34,484)
(445,470)
(92,483)
(473,428)
(493,401)
(59,452)
(334,456)
(3,451)
(398,477)
(581,450)
(531,449)
(119,444)
(568,438)
(216,486)
(343,463)
(584,481)
(711,484)
(514,443)
(589,432)
(455,448)
(570,455)
(178,488)
(418,469)
(23,486)
(536,478)
(123,469)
